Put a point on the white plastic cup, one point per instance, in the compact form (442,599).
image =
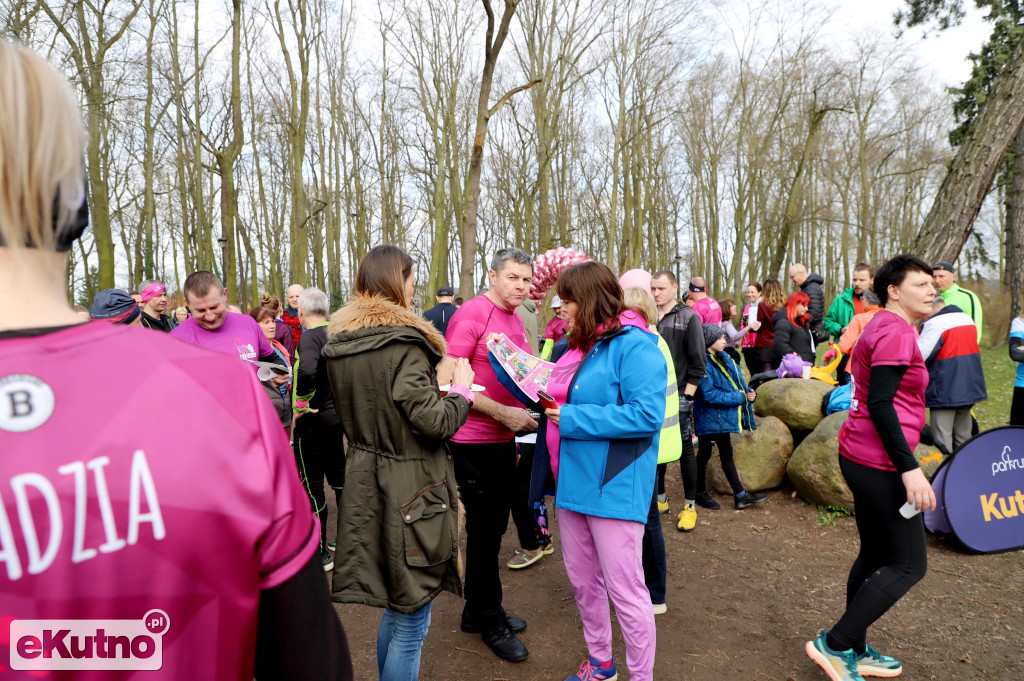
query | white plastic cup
(807,371)
(908,511)
(264,374)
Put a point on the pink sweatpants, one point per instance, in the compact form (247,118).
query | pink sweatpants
(603,558)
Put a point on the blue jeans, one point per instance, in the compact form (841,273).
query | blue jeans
(400,642)
(655,567)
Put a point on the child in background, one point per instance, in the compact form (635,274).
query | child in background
(721,406)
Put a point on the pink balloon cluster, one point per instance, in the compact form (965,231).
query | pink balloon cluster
(549,265)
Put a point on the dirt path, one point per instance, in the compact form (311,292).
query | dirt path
(745,591)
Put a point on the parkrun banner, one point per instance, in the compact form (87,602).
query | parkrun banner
(980,492)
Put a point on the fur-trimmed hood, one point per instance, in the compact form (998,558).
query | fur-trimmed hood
(369,321)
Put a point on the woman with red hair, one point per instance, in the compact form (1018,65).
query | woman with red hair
(792,329)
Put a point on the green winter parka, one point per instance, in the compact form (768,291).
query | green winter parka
(398,523)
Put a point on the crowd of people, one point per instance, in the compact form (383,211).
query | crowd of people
(409,422)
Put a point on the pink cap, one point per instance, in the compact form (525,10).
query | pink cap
(636,278)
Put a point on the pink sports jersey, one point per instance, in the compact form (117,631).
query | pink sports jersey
(887,340)
(709,311)
(467,337)
(105,514)
(239,336)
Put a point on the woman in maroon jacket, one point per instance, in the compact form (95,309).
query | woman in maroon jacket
(773,299)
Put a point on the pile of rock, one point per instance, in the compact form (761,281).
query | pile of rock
(789,411)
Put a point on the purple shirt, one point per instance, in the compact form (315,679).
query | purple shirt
(239,336)
(887,340)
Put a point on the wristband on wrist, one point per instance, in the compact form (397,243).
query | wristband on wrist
(301,404)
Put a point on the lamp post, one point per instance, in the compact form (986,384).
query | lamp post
(678,261)
(223,257)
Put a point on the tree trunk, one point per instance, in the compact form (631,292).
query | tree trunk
(1014,272)
(975,166)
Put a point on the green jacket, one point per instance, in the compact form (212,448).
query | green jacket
(840,312)
(966,301)
(398,530)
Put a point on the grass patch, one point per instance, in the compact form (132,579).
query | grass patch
(1000,373)
(828,515)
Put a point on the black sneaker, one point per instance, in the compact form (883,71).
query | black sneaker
(327,560)
(707,501)
(749,499)
(504,643)
(516,624)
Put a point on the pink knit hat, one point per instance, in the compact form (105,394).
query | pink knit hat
(636,278)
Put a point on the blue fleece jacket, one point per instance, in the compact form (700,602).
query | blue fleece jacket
(610,426)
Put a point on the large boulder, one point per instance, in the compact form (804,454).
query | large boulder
(795,401)
(761,456)
(814,467)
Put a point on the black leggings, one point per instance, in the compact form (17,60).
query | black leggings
(687,462)
(1017,407)
(319,454)
(892,555)
(724,442)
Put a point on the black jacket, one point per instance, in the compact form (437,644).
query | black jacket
(163,323)
(682,332)
(812,287)
(440,315)
(791,338)
(312,383)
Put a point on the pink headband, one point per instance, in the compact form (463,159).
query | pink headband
(152,291)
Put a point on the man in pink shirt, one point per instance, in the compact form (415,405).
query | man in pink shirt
(214,327)
(706,307)
(485,450)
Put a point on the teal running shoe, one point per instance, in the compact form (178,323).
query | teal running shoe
(840,665)
(874,663)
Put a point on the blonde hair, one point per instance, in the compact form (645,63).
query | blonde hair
(41,143)
(641,299)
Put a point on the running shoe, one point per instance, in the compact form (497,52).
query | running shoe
(839,665)
(663,507)
(524,559)
(332,545)
(327,560)
(748,499)
(591,670)
(707,501)
(660,608)
(874,663)
(548,548)
(687,518)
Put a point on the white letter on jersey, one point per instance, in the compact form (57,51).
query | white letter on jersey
(78,550)
(8,551)
(36,562)
(141,477)
(113,543)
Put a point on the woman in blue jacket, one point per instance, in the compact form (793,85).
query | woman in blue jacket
(603,446)
(721,406)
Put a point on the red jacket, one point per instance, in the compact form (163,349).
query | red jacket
(291,318)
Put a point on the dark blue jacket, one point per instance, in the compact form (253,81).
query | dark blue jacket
(721,405)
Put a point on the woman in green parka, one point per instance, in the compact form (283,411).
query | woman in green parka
(398,521)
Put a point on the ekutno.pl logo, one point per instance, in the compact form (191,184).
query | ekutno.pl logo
(89,644)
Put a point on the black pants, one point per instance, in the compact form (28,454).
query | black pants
(484,471)
(531,535)
(688,461)
(320,453)
(841,376)
(724,443)
(735,354)
(1017,407)
(653,556)
(752,357)
(892,555)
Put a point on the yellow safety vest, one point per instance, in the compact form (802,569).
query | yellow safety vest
(670,447)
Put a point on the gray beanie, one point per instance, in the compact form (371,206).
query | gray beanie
(712,332)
